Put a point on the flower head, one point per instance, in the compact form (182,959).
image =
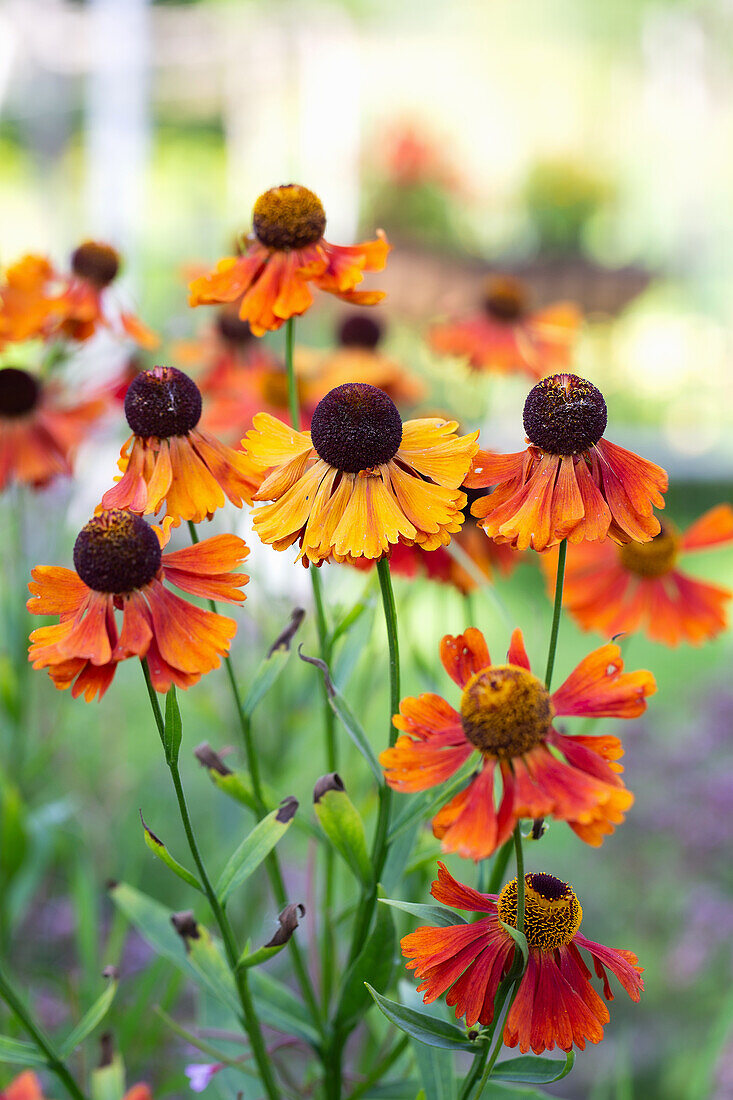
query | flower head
(555,1004)
(358,357)
(507,716)
(26,299)
(638,586)
(83,306)
(286,253)
(168,460)
(121,567)
(28,1087)
(39,429)
(570,482)
(360,480)
(507,337)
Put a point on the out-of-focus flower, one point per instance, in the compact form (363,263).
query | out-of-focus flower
(39,428)
(637,586)
(508,337)
(555,1003)
(358,358)
(507,715)
(272,277)
(360,480)
(120,566)
(570,482)
(26,298)
(168,460)
(28,1087)
(200,1074)
(408,156)
(83,306)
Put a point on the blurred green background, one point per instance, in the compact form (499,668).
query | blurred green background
(586,147)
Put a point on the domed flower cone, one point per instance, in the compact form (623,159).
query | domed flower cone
(638,586)
(570,482)
(556,1003)
(120,566)
(39,429)
(83,305)
(507,716)
(506,337)
(287,253)
(360,480)
(169,461)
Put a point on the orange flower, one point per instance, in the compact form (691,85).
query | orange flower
(555,1002)
(507,715)
(360,480)
(25,298)
(358,358)
(168,460)
(287,252)
(120,567)
(39,432)
(82,307)
(28,1087)
(570,482)
(620,589)
(506,337)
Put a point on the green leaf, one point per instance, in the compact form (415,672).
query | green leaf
(207,961)
(256,847)
(404,1089)
(288,919)
(236,785)
(279,1009)
(348,720)
(264,678)
(376,962)
(256,958)
(342,824)
(436,1070)
(173,729)
(13,830)
(19,1053)
(153,922)
(421,1026)
(158,848)
(90,1019)
(434,914)
(539,1071)
(108,1083)
(519,938)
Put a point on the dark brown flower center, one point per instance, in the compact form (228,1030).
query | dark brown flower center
(564,415)
(162,402)
(505,710)
(552,912)
(359,331)
(288,217)
(505,298)
(232,328)
(356,427)
(19,392)
(116,552)
(98,263)
(654,558)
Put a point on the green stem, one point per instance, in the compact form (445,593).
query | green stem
(39,1037)
(249,1020)
(480,1060)
(381,833)
(556,611)
(520,878)
(293,402)
(272,863)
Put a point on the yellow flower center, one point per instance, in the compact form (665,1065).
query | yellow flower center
(19,392)
(505,710)
(288,217)
(651,559)
(116,552)
(552,912)
(505,298)
(97,263)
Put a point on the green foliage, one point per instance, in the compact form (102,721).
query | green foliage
(342,824)
(423,1027)
(255,848)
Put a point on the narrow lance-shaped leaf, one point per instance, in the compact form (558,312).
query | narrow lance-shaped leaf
(206,959)
(158,848)
(375,961)
(273,664)
(433,914)
(17,1052)
(534,1071)
(94,1016)
(173,729)
(288,920)
(256,847)
(436,1070)
(348,720)
(421,1026)
(108,1082)
(342,824)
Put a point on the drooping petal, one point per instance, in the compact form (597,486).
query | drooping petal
(600,688)
(464,655)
